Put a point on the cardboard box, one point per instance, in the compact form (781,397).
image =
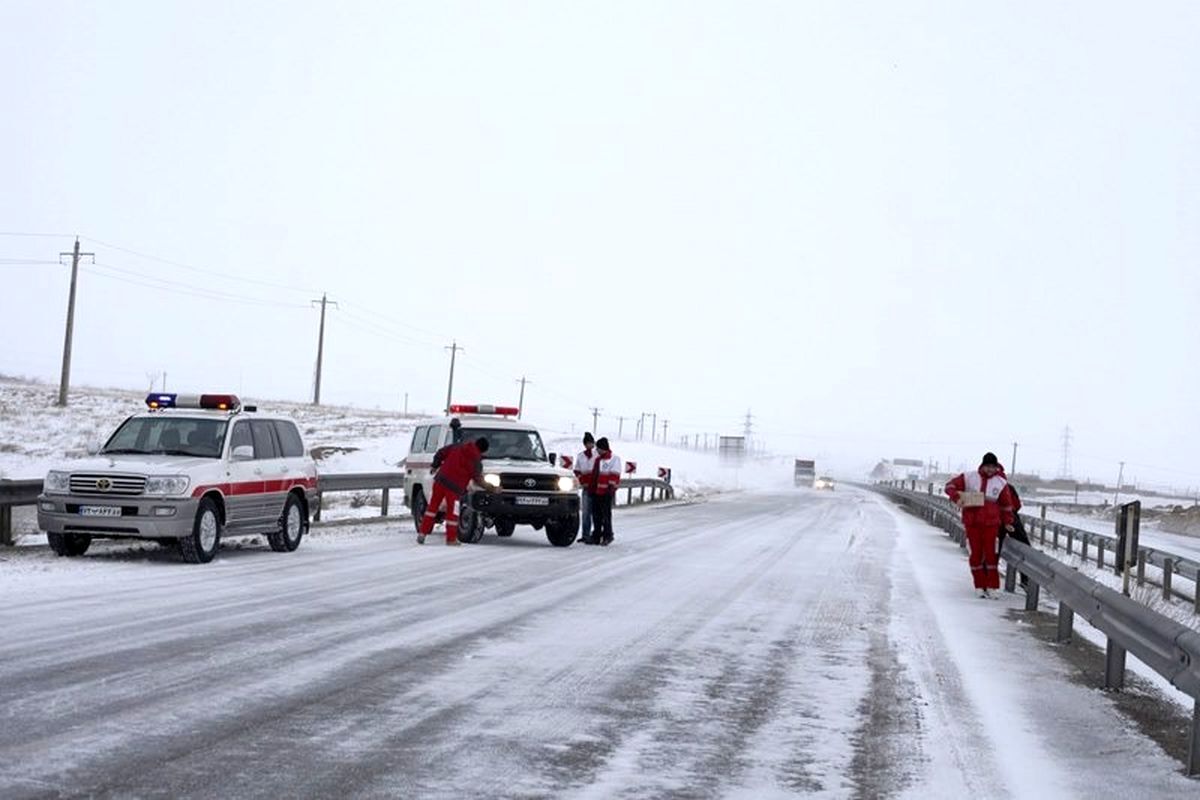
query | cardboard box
(971,499)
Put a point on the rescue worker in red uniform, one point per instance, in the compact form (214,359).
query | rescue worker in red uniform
(605,477)
(459,465)
(982,520)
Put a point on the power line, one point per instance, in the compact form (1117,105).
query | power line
(37,235)
(201,270)
(162,284)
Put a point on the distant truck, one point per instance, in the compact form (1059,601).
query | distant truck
(805,473)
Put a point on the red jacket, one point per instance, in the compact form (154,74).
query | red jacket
(606,473)
(460,464)
(998,506)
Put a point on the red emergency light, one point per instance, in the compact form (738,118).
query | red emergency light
(503,411)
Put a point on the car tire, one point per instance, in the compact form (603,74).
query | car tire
(69,544)
(419,504)
(293,524)
(505,528)
(563,531)
(202,543)
(470,525)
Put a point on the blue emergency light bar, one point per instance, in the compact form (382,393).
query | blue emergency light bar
(213,402)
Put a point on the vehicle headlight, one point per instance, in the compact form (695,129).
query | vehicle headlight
(166,484)
(492,479)
(58,482)
(566,484)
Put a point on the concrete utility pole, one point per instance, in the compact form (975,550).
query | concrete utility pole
(406,404)
(641,433)
(621,427)
(665,424)
(596,421)
(1120,478)
(453,348)
(521,402)
(653,425)
(320,348)
(65,383)
(1013,464)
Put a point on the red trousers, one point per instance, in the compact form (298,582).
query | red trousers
(984,558)
(442,497)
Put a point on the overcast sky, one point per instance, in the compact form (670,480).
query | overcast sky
(916,229)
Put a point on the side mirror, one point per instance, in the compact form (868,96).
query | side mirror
(243,452)
(553,459)
(93,448)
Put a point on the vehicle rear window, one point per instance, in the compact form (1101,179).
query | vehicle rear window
(289,439)
(418,440)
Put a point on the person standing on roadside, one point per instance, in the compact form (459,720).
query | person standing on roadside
(1017,530)
(605,477)
(583,473)
(987,503)
(459,465)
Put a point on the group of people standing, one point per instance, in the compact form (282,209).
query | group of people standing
(598,470)
(990,507)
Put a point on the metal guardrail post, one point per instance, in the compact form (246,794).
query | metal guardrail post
(643,495)
(1057,529)
(6,531)
(1193,768)
(384,505)
(1141,569)
(1066,623)
(1032,591)
(320,502)
(1100,553)
(1083,546)
(1010,578)
(1114,666)
(1168,568)
(1070,541)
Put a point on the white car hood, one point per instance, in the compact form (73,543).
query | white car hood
(141,464)
(516,465)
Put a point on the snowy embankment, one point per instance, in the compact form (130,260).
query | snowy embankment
(36,436)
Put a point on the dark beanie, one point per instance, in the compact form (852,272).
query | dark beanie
(587,438)
(989,459)
(602,443)
(482,444)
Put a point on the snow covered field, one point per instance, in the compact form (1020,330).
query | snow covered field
(36,436)
(761,644)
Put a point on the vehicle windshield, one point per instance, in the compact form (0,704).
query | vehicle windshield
(511,444)
(164,435)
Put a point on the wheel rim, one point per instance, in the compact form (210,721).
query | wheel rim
(208,531)
(293,523)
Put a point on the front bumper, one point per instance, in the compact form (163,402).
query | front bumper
(509,505)
(141,517)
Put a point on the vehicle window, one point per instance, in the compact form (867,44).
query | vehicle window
(168,435)
(516,445)
(418,440)
(241,436)
(435,438)
(265,445)
(290,444)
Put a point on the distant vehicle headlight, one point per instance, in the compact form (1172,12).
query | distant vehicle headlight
(166,484)
(566,484)
(492,479)
(57,482)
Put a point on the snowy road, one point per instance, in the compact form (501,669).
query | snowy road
(757,645)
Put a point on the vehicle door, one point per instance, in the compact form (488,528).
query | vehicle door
(245,480)
(271,468)
(298,468)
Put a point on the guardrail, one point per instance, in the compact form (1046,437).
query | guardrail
(15,493)
(1088,544)
(25,492)
(1168,647)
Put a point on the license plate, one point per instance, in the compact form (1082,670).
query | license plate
(532,501)
(99,511)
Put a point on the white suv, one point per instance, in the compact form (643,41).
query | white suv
(533,491)
(190,470)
